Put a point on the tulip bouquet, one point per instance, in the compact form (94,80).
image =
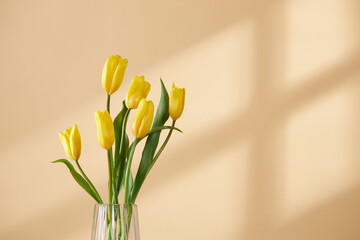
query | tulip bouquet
(112,136)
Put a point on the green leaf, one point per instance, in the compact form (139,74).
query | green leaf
(121,167)
(79,179)
(119,158)
(157,129)
(118,122)
(162,115)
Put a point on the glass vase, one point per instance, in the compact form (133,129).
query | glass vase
(115,222)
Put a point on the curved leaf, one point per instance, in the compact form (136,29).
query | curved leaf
(162,115)
(118,122)
(79,179)
(119,158)
(157,129)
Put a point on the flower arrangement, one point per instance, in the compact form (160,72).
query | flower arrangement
(112,136)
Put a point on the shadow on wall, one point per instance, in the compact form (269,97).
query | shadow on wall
(333,220)
(154,33)
(259,124)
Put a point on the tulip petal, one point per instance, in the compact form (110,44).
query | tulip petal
(143,118)
(139,114)
(99,130)
(176,102)
(146,120)
(118,76)
(146,89)
(66,144)
(75,142)
(105,84)
(108,71)
(67,132)
(138,90)
(105,129)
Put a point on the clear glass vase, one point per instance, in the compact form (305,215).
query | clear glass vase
(115,222)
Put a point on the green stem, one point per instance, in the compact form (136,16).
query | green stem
(88,180)
(123,130)
(113,183)
(110,165)
(109,155)
(108,103)
(162,146)
(127,173)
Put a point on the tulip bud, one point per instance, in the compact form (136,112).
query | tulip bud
(138,90)
(141,123)
(113,73)
(71,142)
(176,102)
(105,129)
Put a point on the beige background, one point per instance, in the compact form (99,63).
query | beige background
(271,139)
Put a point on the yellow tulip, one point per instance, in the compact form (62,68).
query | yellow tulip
(141,123)
(138,90)
(105,129)
(71,142)
(176,102)
(113,73)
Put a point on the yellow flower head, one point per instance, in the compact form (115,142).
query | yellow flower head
(138,90)
(142,120)
(105,129)
(71,142)
(113,73)
(176,102)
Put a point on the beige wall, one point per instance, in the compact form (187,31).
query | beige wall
(271,139)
